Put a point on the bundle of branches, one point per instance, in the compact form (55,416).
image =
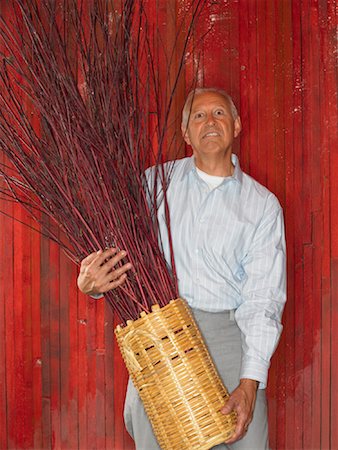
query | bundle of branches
(87,77)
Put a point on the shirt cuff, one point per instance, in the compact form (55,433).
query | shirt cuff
(97,296)
(255,369)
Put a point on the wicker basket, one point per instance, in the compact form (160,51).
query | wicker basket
(177,381)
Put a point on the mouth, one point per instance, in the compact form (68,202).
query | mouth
(211,134)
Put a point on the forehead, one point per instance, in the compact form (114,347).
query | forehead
(209,100)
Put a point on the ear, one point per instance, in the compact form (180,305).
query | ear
(185,134)
(237,126)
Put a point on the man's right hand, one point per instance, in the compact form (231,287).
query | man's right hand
(98,274)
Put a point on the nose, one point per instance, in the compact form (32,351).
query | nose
(210,120)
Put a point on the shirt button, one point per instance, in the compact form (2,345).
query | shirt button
(202,220)
(197,251)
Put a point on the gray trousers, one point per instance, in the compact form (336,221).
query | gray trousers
(223,339)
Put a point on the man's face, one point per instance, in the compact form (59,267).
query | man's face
(211,128)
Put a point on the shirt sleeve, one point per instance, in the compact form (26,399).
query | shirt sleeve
(263,294)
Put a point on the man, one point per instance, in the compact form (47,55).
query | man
(228,238)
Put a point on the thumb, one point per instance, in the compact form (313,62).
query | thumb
(229,406)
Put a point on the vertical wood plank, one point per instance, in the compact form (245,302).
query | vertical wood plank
(243,84)
(120,381)
(45,346)
(251,126)
(68,354)
(55,349)
(6,304)
(100,354)
(6,291)
(20,305)
(312,149)
(296,215)
(82,369)
(91,374)
(36,340)
(110,418)
(317,330)
(283,172)
(330,305)
(62,381)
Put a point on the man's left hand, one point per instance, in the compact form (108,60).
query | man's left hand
(242,401)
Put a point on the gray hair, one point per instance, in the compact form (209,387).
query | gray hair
(192,94)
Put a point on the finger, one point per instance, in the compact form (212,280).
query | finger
(105,259)
(90,258)
(118,257)
(229,406)
(113,278)
(118,282)
(246,427)
(240,430)
(114,284)
(109,259)
(103,256)
(238,434)
(114,263)
(116,273)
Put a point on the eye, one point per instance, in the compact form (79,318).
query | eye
(198,115)
(219,112)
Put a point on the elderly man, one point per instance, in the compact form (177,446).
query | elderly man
(228,238)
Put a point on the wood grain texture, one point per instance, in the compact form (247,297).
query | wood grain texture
(62,380)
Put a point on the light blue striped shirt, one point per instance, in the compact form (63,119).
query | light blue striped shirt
(230,254)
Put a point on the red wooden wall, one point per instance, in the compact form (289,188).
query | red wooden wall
(62,381)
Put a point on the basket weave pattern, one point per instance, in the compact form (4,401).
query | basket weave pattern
(176,379)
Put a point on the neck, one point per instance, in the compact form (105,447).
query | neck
(220,167)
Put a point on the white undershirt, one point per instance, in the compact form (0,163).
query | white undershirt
(212,180)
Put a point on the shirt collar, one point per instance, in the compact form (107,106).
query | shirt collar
(236,176)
